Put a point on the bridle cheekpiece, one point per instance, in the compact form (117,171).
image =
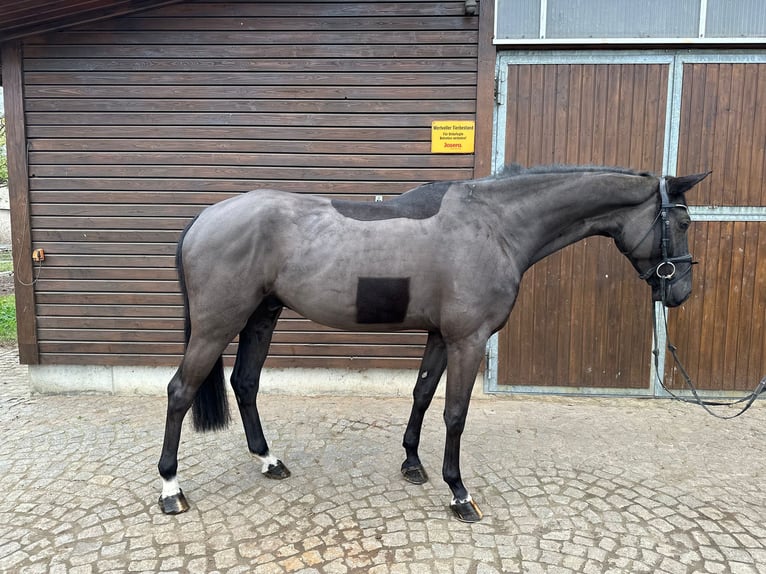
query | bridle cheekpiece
(665,270)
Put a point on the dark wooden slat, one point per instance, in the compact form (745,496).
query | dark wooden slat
(130,37)
(87,223)
(118,299)
(241,146)
(297,24)
(276,350)
(233,119)
(128,254)
(53,236)
(256,64)
(287,10)
(54,274)
(103,286)
(234,132)
(53,324)
(110,260)
(290,330)
(254,172)
(71,331)
(206,191)
(243,159)
(251,78)
(75,358)
(313,106)
(256,92)
(116,210)
(111,312)
(86,52)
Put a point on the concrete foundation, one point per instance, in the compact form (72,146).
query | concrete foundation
(122,380)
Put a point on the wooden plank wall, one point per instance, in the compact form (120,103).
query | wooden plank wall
(136,123)
(583,318)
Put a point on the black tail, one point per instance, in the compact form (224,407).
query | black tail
(210,410)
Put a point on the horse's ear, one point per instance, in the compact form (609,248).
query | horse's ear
(684,183)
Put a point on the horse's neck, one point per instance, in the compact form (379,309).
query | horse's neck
(563,213)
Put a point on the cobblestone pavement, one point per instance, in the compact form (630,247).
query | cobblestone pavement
(567,485)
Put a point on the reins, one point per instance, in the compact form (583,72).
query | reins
(666,271)
(696,399)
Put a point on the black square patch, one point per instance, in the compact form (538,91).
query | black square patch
(382,299)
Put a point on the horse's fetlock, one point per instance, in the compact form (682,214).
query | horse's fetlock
(167,470)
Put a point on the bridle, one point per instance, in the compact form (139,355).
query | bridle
(665,270)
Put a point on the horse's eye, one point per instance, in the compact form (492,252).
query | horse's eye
(684,224)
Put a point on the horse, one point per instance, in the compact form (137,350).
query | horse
(446,258)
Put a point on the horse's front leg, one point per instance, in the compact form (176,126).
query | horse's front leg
(254,341)
(431,369)
(464,359)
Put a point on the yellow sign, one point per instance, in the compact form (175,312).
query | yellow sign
(452,136)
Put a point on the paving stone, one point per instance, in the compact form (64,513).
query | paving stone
(567,485)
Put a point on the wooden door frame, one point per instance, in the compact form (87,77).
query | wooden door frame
(675,61)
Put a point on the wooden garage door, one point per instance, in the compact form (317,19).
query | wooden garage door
(583,318)
(721,330)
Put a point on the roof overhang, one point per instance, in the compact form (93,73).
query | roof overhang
(28,17)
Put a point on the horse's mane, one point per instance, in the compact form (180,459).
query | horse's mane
(515,169)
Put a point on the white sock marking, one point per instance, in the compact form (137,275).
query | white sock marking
(268,460)
(170,487)
(456,501)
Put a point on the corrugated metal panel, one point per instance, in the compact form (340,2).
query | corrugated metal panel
(135,124)
(622,19)
(735,18)
(518,19)
(582,318)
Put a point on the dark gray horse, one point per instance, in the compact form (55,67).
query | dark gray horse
(445,257)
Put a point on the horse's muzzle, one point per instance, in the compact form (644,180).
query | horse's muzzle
(673,291)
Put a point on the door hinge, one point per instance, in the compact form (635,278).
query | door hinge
(500,88)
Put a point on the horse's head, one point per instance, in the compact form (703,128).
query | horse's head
(656,242)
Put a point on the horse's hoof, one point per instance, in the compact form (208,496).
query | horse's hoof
(415,474)
(467,511)
(277,471)
(175,504)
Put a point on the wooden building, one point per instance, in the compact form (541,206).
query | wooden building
(126,118)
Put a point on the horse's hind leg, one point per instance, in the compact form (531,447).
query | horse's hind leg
(200,358)
(431,369)
(254,342)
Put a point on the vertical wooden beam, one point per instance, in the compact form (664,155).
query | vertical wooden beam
(18,188)
(485,90)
